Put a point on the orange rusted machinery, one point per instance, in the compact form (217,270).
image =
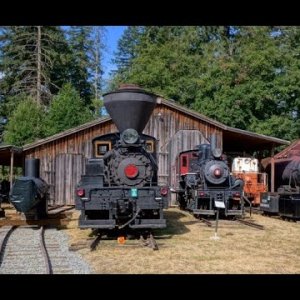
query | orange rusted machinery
(255,182)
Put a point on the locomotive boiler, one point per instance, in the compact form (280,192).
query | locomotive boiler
(119,188)
(205,182)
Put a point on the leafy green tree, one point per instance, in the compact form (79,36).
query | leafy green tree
(246,77)
(67,110)
(97,105)
(255,87)
(26,123)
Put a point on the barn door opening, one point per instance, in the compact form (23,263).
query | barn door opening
(183,140)
(68,170)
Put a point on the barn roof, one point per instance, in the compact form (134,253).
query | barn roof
(290,151)
(233,139)
(67,132)
(5,155)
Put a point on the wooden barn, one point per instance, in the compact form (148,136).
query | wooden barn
(62,156)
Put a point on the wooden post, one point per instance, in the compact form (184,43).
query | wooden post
(272,170)
(11,168)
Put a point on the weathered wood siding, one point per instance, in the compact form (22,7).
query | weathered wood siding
(176,132)
(63,160)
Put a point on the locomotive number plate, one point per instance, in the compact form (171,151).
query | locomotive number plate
(219,204)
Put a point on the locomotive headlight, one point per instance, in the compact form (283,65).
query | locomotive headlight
(130,136)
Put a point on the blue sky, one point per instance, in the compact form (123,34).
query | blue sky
(113,33)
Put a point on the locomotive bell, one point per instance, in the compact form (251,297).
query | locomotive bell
(130,107)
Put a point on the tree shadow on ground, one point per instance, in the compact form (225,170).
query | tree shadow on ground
(175,225)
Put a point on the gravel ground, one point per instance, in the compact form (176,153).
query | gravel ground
(23,255)
(74,261)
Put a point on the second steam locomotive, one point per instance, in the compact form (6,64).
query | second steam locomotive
(205,182)
(119,188)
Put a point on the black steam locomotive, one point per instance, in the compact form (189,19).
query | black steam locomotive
(286,201)
(119,188)
(205,183)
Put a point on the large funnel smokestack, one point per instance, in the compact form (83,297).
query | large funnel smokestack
(130,107)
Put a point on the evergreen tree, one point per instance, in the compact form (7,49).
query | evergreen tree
(126,53)
(95,56)
(253,88)
(166,62)
(245,77)
(27,58)
(80,44)
(34,61)
(67,110)
(26,123)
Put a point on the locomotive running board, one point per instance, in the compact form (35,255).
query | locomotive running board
(203,212)
(107,224)
(148,226)
(150,223)
(234,212)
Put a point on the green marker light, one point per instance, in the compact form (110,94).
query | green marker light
(134,193)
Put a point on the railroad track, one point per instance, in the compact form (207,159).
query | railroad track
(146,240)
(32,250)
(245,222)
(207,222)
(254,210)
(251,224)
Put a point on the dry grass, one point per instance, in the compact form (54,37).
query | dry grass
(186,247)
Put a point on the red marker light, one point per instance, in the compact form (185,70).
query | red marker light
(164,191)
(80,192)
